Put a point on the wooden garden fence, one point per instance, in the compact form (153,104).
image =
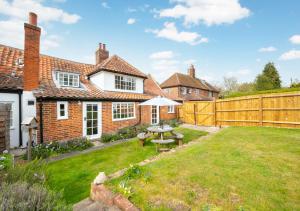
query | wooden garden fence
(275,110)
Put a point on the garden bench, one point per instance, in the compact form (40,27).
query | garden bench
(162,142)
(179,138)
(142,137)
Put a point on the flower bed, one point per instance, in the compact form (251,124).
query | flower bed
(54,148)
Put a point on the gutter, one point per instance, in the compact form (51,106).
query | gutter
(41,122)
(20,118)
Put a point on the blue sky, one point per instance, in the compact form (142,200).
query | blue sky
(235,38)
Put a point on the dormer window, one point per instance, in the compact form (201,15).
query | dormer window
(65,79)
(125,83)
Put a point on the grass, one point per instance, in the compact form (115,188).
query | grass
(240,168)
(273,91)
(73,176)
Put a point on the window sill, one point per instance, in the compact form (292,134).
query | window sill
(171,112)
(62,118)
(116,120)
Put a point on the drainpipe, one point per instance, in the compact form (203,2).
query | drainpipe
(41,122)
(20,118)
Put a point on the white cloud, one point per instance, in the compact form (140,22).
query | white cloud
(267,49)
(19,9)
(162,55)
(209,12)
(290,55)
(295,39)
(170,32)
(51,41)
(16,11)
(105,5)
(131,21)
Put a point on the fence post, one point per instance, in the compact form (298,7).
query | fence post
(261,110)
(195,116)
(215,112)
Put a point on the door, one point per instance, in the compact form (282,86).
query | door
(92,120)
(154,115)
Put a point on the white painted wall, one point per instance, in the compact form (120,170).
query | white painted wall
(106,81)
(27,111)
(13,99)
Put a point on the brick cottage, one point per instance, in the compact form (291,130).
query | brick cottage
(72,99)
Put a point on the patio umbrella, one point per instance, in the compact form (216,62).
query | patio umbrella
(160,101)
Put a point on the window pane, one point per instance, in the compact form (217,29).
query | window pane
(95,130)
(62,113)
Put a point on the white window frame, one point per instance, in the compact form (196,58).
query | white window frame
(75,79)
(122,103)
(65,103)
(171,109)
(126,80)
(183,90)
(197,91)
(210,94)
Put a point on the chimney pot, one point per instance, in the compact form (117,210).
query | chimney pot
(33,18)
(192,71)
(101,53)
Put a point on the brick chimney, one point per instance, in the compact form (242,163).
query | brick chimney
(101,53)
(192,71)
(31,53)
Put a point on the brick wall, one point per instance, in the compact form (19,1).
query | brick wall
(110,126)
(64,129)
(4,127)
(164,115)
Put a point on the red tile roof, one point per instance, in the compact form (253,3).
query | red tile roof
(179,79)
(48,89)
(117,65)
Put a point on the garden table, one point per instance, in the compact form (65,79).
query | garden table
(160,130)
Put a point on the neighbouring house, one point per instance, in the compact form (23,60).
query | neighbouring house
(71,99)
(187,87)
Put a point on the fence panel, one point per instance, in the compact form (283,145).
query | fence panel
(276,110)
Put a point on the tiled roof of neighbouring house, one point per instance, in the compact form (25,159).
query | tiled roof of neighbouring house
(179,79)
(117,65)
(11,77)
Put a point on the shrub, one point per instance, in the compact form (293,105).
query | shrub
(128,132)
(46,150)
(23,196)
(171,122)
(5,161)
(31,173)
(108,137)
(134,171)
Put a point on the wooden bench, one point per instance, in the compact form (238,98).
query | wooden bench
(142,137)
(179,138)
(159,142)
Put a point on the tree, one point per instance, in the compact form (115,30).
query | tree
(230,84)
(295,83)
(246,87)
(269,79)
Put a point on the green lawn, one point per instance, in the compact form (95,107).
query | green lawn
(73,176)
(240,168)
